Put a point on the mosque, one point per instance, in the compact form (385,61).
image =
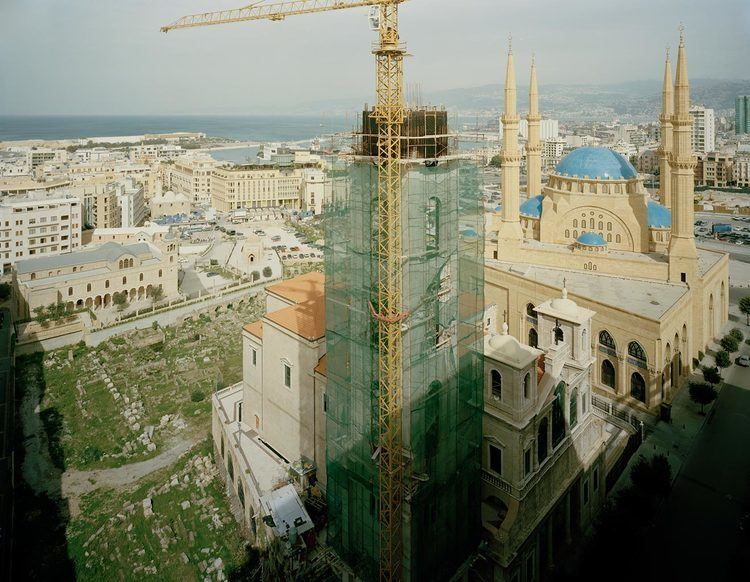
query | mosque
(594,230)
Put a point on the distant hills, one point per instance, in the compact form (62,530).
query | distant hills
(634,99)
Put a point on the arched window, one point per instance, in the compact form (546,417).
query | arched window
(607,340)
(140,277)
(638,387)
(601,225)
(592,222)
(573,415)
(541,441)
(124,280)
(159,272)
(88,286)
(70,291)
(496,384)
(609,226)
(608,375)
(575,223)
(241,493)
(33,276)
(575,234)
(432,216)
(636,351)
(533,338)
(531,310)
(559,335)
(527,385)
(106,284)
(567,233)
(230,469)
(558,416)
(618,238)
(609,237)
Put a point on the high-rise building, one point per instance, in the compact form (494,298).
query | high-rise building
(742,115)
(704,129)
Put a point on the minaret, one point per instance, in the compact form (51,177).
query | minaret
(683,256)
(533,147)
(510,231)
(665,148)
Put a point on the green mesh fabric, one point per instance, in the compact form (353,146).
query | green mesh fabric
(443,291)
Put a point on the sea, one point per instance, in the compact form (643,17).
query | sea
(268,129)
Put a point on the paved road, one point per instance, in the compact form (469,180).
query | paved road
(698,535)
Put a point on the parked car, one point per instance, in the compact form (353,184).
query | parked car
(743,361)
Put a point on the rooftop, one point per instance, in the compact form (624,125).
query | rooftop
(307,320)
(255,328)
(110,251)
(532,207)
(300,289)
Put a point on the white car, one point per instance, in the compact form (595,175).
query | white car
(743,361)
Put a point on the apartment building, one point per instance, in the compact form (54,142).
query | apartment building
(38,225)
(742,166)
(718,169)
(280,185)
(130,201)
(704,129)
(192,177)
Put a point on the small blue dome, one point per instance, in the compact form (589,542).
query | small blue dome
(498,208)
(532,208)
(658,215)
(596,163)
(469,233)
(591,239)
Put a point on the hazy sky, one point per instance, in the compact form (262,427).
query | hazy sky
(108,56)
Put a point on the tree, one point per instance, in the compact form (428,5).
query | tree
(267,272)
(5,290)
(255,275)
(737,334)
(711,375)
(157,294)
(653,476)
(745,307)
(723,360)
(702,393)
(496,162)
(121,300)
(729,343)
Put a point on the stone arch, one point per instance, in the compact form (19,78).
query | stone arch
(107,300)
(613,224)
(89,303)
(133,293)
(533,338)
(149,290)
(141,292)
(98,302)
(608,375)
(638,387)
(79,303)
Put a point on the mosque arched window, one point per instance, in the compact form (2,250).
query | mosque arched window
(609,237)
(618,238)
(575,234)
(609,226)
(497,384)
(533,338)
(575,223)
(636,351)
(591,223)
(601,225)
(606,339)
(567,233)
(638,387)
(531,310)
(609,378)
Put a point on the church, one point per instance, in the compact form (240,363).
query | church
(595,230)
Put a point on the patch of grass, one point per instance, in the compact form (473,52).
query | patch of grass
(86,401)
(112,539)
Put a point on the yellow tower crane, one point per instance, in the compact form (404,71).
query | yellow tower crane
(389,114)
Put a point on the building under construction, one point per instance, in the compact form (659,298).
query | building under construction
(442,368)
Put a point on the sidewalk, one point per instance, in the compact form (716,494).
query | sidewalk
(675,440)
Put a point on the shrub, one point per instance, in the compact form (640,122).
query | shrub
(255,275)
(5,290)
(729,343)
(197,396)
(267,272)
(737,334)
(155,325)
(711,375)
(723,360)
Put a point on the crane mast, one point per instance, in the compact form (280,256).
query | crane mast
(388,311)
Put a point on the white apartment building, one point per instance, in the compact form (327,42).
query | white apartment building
(38,225)
(314,192)
(148,153)
(192,177)
(548,129)
(552,151)
(259,186)
(37,156)
(704,129)
(742,166)
(131,202)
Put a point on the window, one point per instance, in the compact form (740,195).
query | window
(140,277)
(585,491)
(531,310)
(88,287)
(287,376)
(70,291)
(325,402)
(239,412)
(573,412)
(526,462)
(124,280)
(496,384)
(159,272)
(575,223)
(559,335)
(222,446)
(230,469)
(241,493)
(567,233)
(541,441)
(255,357)
(527,385)
(533,338)
(638,387)
(618,238)
(558,417)
(608,375)
(606,340)
(595,479)
(636,351)
(496,460)
(106,284)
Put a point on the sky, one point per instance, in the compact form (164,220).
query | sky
(107,57)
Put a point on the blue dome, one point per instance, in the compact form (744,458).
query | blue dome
(498,208)
(469,233)
(596,163)
(591,239)
(658,215)
(532,207)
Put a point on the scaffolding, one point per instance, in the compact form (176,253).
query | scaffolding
(442,365)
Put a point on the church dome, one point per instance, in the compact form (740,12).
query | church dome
(532,208)
(596,163)
(658,215)
(591,239)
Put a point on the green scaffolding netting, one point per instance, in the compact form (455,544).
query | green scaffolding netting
(443,291)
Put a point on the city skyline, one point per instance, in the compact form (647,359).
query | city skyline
(122,60)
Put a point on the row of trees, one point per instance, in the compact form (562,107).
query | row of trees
(704,393)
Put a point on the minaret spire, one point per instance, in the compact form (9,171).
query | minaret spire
(510,231)
(665,148)
(533,145)
(682,252)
